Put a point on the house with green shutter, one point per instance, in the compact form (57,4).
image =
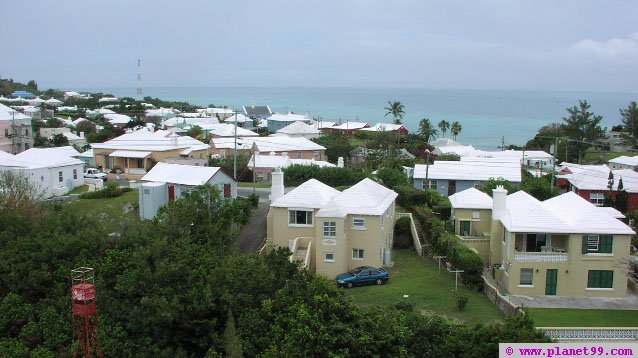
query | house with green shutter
(563,246)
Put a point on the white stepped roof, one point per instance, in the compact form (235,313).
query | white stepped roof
(53,101)
(183,121)
(47,157)
(115,118)
(471,198)
(269,161)
(180,174)
(383,127)
(277,117)
(319,163)
(227,130)
(87,154)
(350,125)
(240,118)
(312,194)
(475,169)
(299,128)
(625,160)
(596,177)
(145,141)
(445,142)
(323,124)
(364,198)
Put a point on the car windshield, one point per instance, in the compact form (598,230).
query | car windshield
(356,271)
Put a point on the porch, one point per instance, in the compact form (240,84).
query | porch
(541,247)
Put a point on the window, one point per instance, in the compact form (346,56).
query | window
(358,223)
(600,279)
(329,229)
(317,155)
(476,214)
(597,244)
(300,217)
(329,257)
(60,178)
(357,254)
(75,174)
(430,184)
(299,154)
(382,221)
(597,198)
(465,228)
(527,275)
(6,132)
(147,191)
(222,153)
(26,132)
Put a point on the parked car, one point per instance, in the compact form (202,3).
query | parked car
(363,275)
(94,173)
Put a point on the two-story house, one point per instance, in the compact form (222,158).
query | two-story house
(332,231)
(563,246)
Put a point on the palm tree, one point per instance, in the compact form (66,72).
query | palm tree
(396,110)
(455,129)
(427,130)
(444,126)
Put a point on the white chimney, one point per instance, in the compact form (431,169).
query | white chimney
(174,137)
(81,134)
(498,202)
(340,162)
(277,189)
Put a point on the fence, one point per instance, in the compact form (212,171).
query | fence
(500,301)
(591,333)
(418,243)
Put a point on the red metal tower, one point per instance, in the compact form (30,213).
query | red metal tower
(85,317)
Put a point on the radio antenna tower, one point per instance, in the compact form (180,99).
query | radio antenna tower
(139,77)
(85,316)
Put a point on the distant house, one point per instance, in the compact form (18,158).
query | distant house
(53,102)
(330,231)
(242,121)
(299,129)
(617,142)
(295,148)
(118,120)
(52,171)
(591,182)
(87,158)
(263,165)
(73,139)
(387,127)
(449,177)
(167,182)
(348,128)
(16,134)
(624,162)
(257,112)
(278,121)
(108,100)
(71,94)
(136,153)
(563,246)
(23,94)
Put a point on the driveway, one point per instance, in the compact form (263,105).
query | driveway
(628,303)
(253,233)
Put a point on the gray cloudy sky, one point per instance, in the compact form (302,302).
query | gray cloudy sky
(483,44)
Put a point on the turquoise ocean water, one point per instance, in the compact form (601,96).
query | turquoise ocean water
(485,115)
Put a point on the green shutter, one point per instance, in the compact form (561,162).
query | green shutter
(605,244)
(593,279)
(584,244)
(608,279)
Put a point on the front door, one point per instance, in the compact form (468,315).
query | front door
(551,282)
(451,187)
(171,193)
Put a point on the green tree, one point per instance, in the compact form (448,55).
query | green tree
(492,183)
(630,120)
(58,140)
(396,109)
(455,129)
(392,177)
(427,130)
(195,131)
(444,126)
(583,128)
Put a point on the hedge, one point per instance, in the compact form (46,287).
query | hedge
(112,190)
(296,175)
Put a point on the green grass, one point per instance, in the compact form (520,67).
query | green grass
(79,189)
(429,293)
(110,211)
(602,157)
(250,185)
(562,317)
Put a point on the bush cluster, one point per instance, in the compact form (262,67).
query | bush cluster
(296,175)
(112,190)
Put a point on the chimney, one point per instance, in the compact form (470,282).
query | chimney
(81,134)
(174,139)
(277,189)
(498,202)
(340,162)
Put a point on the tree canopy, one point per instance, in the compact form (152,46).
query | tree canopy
(629,118)
(396,109)
(582,127)
(444,126)
(427,130)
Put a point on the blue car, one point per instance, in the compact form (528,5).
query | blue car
(363,275)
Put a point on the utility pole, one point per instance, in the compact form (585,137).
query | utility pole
(235,151)
(502,143)
(555,154)
(254,161)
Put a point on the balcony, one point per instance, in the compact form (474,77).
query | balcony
(540,256)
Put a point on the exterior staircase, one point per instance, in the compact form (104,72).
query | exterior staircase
(421,245)
(301,251)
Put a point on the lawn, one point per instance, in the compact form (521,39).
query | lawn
(563,317)
(250,185)
(80,189)
(602,157)
(110,211)
(428,292)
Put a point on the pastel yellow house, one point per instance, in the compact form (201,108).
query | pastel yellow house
(562,246)
(331,231)
(134,154)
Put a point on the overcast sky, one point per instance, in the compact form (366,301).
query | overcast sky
(488,44)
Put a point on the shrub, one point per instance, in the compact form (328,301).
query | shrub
(410,196)
(254,200)
(461,302)
(402,233)
(112,190)
(297,174)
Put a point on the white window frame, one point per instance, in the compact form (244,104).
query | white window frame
(358,254)
(330,229)
(75,174)
(311,224)
(326,259)
(593,243)
(597,198)
(531,278)
(362,226)
(60,177)
(429,184)
(476,215)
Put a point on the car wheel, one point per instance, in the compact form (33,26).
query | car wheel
(379,281)
(349,285)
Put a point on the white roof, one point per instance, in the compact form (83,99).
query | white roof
(299,128)
(47,157)
(445,142)
(71,136)
(284,144)
(129,154)
(8,113)
(471,199)
(183,121)
(475,169)
(518,154)
(596,177)
(87,154)
(461,151)
(364,198)
(77,121)
(227,130)
(611,212)
(52,101)
(240,118)
(311,194)
(108,99)
(160,112)
(625,160)
(277,117)
(319,163)
(66,150)
(115,118)
(323,124)
(180,174)
(229,143)
(143,140)
(350,125)
(383,127)
(269,161)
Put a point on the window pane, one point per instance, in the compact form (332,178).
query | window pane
(527,275)
(592,243)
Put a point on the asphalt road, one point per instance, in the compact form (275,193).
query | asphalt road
(253,233)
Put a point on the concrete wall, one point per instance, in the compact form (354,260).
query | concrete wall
(478,227)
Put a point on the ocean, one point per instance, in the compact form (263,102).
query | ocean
(486,116)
